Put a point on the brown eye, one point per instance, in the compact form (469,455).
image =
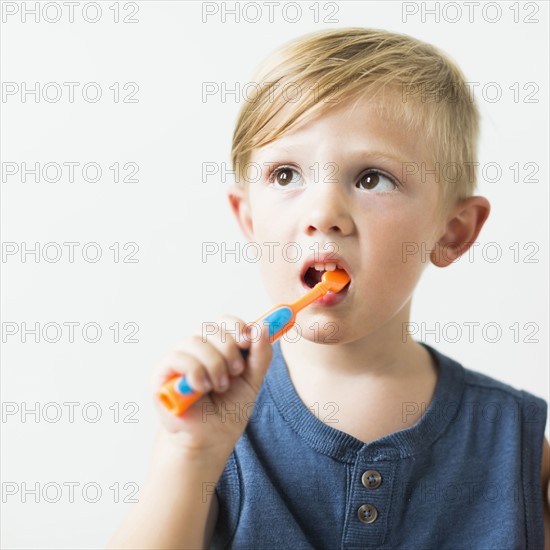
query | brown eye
(377,181)
(370,181)
(284,176)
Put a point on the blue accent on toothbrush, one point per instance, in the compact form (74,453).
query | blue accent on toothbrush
(276,321)
(183,386)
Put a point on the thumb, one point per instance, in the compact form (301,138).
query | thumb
(258,356)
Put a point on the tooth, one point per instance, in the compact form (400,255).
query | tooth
(325,267)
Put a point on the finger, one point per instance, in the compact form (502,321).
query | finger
(212,360)
(230,341)
(259,359)
(181,363)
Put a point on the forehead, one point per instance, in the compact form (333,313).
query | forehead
(354,126)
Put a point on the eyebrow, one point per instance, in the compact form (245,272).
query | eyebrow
(378,154)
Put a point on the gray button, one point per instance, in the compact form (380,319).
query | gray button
(367,513)
(371,479)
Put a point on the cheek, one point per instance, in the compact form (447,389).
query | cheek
(279,259)
(273,223)
(398,250)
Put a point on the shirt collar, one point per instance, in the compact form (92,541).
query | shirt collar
(342,446)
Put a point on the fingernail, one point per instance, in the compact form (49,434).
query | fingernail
(236,366)
(224,381)
(206,384)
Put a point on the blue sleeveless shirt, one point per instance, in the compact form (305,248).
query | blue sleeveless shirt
(466,475)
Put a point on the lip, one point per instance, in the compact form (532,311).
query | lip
(330,299)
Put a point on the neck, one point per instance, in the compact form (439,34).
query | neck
(382,355)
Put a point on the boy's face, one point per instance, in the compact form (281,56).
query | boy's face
(342,194)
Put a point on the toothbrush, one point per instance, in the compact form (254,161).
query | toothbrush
(176,394)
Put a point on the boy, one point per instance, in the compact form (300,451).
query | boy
(350,128)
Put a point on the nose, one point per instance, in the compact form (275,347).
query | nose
(327,208)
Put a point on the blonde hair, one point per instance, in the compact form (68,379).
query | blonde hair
(329,66)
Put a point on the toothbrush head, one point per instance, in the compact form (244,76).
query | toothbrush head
(334,281)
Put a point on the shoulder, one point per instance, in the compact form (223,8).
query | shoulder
(477,379)
(545,483)
(505,401)
(520,404)
(520,413)
(496,390)
(532,410)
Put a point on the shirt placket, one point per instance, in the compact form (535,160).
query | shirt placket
(371,491)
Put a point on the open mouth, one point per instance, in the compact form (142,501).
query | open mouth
(313,275)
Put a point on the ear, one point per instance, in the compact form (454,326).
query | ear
(465,222)
(241,208)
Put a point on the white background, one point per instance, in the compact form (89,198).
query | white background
(171,211)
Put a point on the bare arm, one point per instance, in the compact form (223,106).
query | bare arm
(177,508)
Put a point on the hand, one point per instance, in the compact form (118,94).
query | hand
(217,420)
